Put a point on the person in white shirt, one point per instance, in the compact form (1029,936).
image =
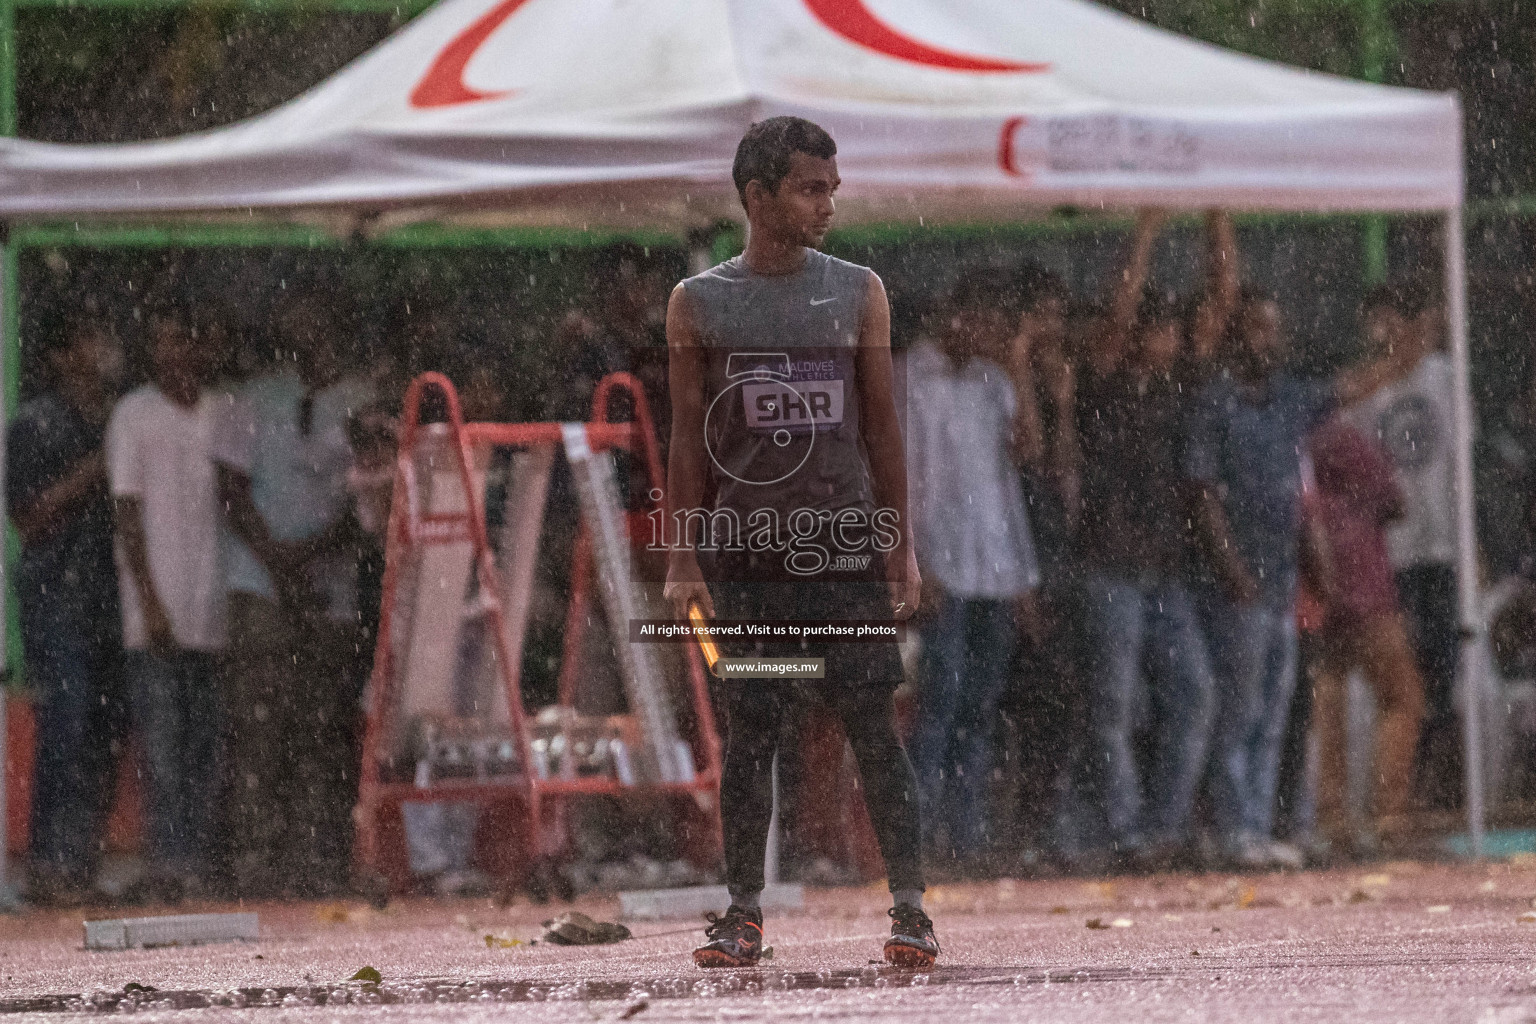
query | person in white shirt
(1412,417)
(171,578)
(968,428)
(283,458)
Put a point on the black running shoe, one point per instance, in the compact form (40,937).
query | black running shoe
(912,945)
(735,940)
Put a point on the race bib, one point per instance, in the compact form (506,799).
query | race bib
(796,406)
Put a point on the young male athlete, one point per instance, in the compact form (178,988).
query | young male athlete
(783,410)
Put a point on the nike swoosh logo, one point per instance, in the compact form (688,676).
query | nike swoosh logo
(823,302)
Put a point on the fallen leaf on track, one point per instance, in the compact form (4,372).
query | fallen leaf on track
(333,913)
(1102,890)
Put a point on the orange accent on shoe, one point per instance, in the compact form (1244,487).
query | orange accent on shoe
(899,954)
(712,958)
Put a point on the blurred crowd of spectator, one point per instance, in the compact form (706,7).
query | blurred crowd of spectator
(201,567)
(1145,542)
(1129,508)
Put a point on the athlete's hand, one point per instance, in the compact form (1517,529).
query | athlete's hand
(904,581)
(685,586)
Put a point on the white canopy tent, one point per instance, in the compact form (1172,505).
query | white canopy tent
(626,113)
(617,110)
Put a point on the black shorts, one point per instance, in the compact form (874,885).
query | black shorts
(846,664)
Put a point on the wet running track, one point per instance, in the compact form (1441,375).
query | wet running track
(1400,942)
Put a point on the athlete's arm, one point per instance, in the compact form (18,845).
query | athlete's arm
(686,455)
(881,430)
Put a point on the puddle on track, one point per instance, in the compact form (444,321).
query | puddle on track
(710,986)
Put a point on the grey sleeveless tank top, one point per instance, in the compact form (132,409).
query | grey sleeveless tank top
(781,396)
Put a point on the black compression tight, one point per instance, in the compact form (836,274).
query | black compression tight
(755,713)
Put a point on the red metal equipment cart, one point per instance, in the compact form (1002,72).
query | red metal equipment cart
(523,832)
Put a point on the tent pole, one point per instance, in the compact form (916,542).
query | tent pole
(1378,45)
(7,67)
(710,245)
(8,297)
(1466,538)
(701,251)
(8,898)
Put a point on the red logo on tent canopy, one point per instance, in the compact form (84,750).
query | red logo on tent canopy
(1005,142)
(855,22)
(443,84)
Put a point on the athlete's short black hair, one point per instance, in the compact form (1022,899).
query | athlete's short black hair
(764,152)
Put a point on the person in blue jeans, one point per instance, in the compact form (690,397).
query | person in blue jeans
(971,422)
(1243,463)
(1145,667)
(172,589)
(56,490)
(1145,636)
